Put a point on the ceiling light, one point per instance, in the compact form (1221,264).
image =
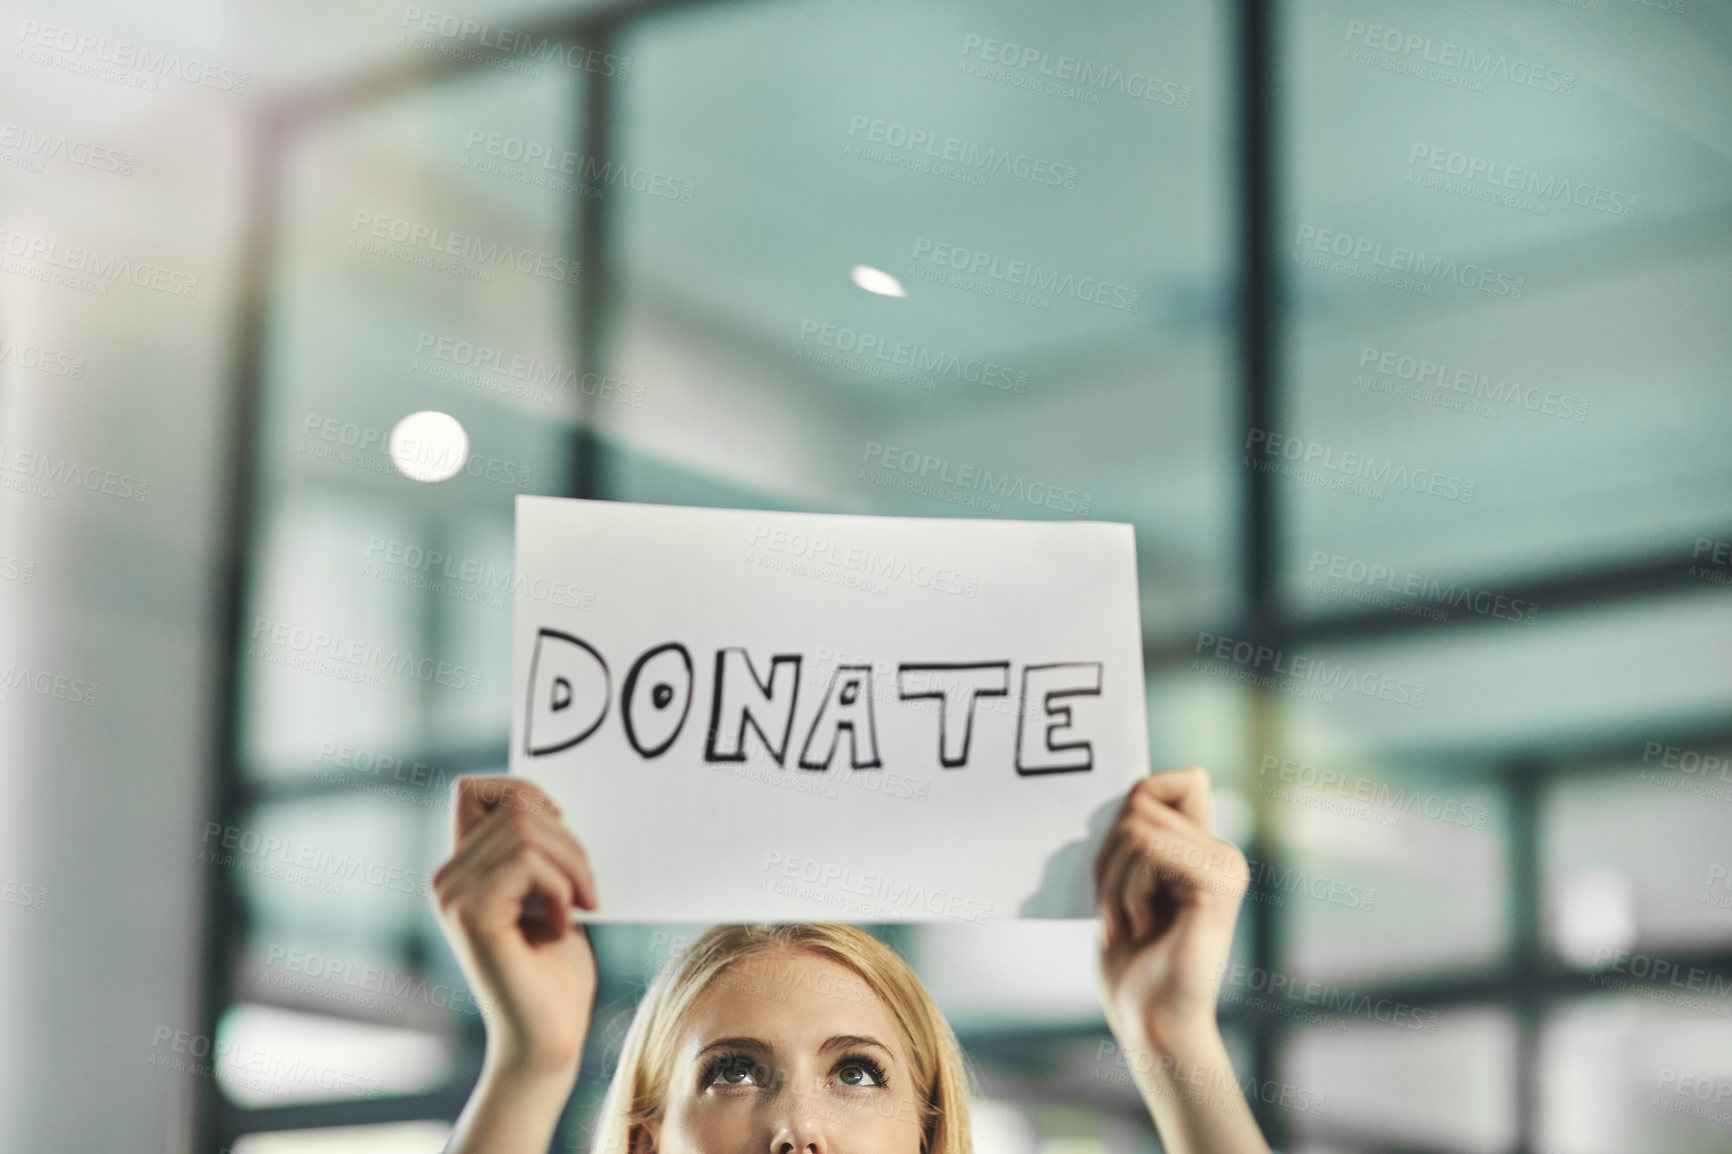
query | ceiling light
(429,446)
(876,280)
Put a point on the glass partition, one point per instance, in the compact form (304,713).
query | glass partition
(995,260)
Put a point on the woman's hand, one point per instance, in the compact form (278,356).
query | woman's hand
(1168,894)
(503,900)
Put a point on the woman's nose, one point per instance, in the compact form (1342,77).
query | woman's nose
(797,1120)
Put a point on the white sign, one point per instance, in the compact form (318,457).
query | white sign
(751,716)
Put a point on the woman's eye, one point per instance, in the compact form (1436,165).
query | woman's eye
(735,1073)
(854,1074)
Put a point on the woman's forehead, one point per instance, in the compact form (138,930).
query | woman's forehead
(788,997)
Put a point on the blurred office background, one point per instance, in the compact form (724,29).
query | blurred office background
(1487,245)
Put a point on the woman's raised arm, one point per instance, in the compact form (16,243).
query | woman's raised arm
(504,901)
(1168,893)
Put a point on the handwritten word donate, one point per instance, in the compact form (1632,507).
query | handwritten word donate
(571,692)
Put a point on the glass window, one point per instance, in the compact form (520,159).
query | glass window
(270,1057)
(1052,982)
(1383,875)
(1634,863)
(1607,673)
(425,264)
(1635,1074)
(1059,348)
(1497,238)
(1370,1085)
(799,254)
(389,1138)
(350,869)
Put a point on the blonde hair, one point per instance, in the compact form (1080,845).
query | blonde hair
(638,1093)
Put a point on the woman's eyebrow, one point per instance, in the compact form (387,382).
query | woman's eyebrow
(736,1043)
(840,1041)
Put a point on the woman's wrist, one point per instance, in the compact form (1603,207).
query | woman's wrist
(514,1108)
(1162,1026)
(1167,1050)
(530,1052)
(524,1069)
(1178,1035)
(1186,1079)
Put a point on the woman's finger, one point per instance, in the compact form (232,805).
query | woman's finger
(1160,852)
(545,920)
(1177,800)
(1119,855)
(559,844)
(486,799)
(1143,873)
(1192,858)
(478,796)
(507,892)
(483,841)
(502,835)
(1106,903)
(1106,864)
(1186,790)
